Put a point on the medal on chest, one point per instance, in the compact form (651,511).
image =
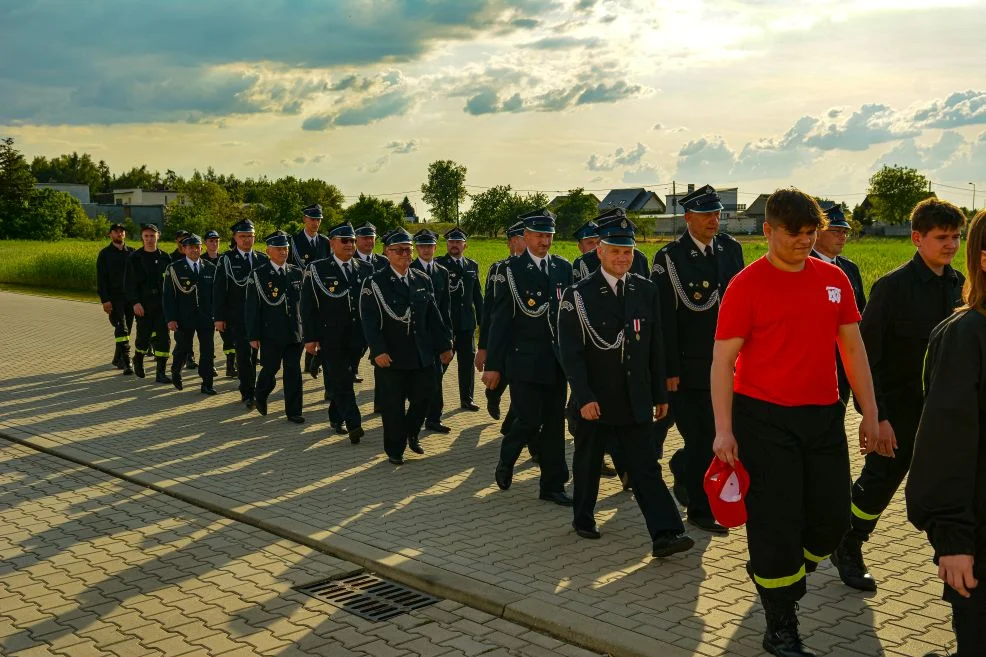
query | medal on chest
(636,330)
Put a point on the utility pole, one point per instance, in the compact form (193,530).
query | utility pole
(674,212)
(973,196)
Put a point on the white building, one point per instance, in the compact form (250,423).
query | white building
(144,197)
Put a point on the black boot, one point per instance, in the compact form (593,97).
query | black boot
(117,361)
(176,378)
(190,363)
(782,638)
(139,365)
(848,558)
(127,369)
(162,365)
(231,366)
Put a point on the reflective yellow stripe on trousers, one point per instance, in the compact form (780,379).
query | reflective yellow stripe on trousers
(780,582)
(862,515)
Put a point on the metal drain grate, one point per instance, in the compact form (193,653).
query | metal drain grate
(368,596)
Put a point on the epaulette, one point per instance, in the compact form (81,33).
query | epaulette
(416,272)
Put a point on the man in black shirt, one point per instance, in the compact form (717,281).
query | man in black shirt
(144,287)
(111,272)
(904,306)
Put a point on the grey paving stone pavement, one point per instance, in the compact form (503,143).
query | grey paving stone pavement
(440,519)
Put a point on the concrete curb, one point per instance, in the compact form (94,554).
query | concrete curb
(537,615)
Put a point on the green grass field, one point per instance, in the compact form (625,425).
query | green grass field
(68,267)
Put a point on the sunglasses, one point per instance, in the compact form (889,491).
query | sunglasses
(347,240)
(400,250)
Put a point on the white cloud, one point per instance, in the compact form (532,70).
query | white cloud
(620,158)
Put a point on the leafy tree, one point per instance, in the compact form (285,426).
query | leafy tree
(16,187)
(574,210)
(489,212)
(85,228)
(894,191)
(105,177)
(407,208)
(201,206)
(69,168)
(138,177)
(382,213)
(445,190)
(48,215)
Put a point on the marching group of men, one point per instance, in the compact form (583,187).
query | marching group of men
(627,347)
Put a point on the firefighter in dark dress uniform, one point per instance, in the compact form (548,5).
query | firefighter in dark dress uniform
(522,344)
(404,331)
(111,274)
(145,273)
(366,238)
(307,246)
(179,251)
(588,262)
(466,297)
(828,247)
(229,302)
(515,244)
(332,328)
(188,311)
(609,334)
(212,255)
(273,325)
(692,273)
(425,243)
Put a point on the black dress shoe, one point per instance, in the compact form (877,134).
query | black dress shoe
(493,409)
(190,364)
(586,533)
(176,380)
(669,543)
(504,475)
(357,379)
(208,390)
(707,524)
(338,428)
(470,407)
(249,402)
(297,419)
(261,406)
(356,434)
(415,445)
(437,427)
(395,460)
(558,497)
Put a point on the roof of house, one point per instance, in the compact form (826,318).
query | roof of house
(758,208)
(630,199)
(558,199)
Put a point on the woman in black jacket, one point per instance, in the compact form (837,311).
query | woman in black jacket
(946,491)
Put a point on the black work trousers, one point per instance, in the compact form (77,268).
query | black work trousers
(246,358)
(797,505)
(122,319)
(881,475)
(539,419)
(637,451)
(272,356)
(465,356)
(968,622)
(184,338)
(153,337)
(437,403)
(693,415)
(341,385)
(403,397)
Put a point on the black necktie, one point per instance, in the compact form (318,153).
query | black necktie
(708,251)
(428,266)
(195,268)
(619,289)
(345,270)
(544,267)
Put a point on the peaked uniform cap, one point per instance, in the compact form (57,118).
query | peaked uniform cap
(397,236)
(617,230)
(345,229)
(539,221)
(181,233)
(366,230)
(588,229)
(455,234)
(515,230)
(245,226)
(836,217)
(425,237)
(277,238)
(704,199)
(192,239)
(313,211)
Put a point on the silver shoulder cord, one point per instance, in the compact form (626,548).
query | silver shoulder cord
(596,339)
(177,285)
(404,319)
(583,269)
(676,284)
(534,314)
(313,273)
(231,276)
(263,295)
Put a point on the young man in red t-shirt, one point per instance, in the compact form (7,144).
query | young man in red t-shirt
(775,395)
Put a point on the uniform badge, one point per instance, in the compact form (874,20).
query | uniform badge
(274,291)
(658,268)
(623,224)
(367,291)
(530,302)
(539,293)
(705,284)
(697,296)
(636,329)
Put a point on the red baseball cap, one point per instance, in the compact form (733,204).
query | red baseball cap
(726,489)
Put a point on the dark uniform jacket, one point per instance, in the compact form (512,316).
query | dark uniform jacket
(490,291)
(145,277)
(177,254)
(465,293)
(522,325)
(851,271)
(904,306)
(946,488)
(187,297)
(273,304)
(624,375)
(440,285)
(403,321)
(378,261)
(205,256)
(304,254)
(111,272)
(330,306)
(232,275)
(588,262)
(691,286)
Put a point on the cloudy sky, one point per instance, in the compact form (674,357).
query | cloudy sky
(540,94)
